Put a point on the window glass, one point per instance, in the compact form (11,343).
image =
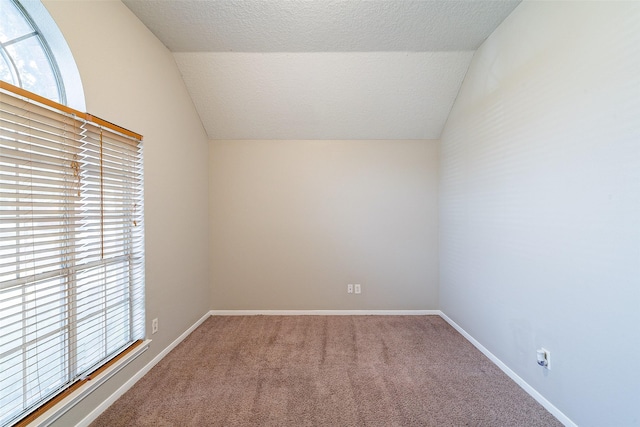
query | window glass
(13,25)
(34,68)
(26,59)
(5,70)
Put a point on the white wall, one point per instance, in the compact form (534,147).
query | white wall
(131,79)
(293,222)
(540,204)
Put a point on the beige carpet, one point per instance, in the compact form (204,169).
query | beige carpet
(325,371)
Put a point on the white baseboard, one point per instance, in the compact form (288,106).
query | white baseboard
(324,312)
(127,385)
(522,383)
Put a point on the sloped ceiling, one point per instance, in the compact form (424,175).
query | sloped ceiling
(303,69)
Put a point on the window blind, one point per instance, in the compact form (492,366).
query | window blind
(71,248)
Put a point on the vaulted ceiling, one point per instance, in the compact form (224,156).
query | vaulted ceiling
(322,69)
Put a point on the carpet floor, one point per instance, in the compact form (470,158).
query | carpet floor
(325,371)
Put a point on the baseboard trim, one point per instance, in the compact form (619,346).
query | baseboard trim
(324,312)
(515,377)
(134,379)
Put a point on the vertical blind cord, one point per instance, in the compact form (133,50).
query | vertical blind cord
(101,201)
(25,341)
(70,292)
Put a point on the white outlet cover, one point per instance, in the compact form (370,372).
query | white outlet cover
(544,358)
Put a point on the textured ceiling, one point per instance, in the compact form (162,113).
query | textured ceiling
(321,26)
(367,95)
(303,69)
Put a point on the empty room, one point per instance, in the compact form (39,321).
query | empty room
(319,213)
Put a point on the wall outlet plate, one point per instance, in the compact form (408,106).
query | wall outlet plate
(544,358)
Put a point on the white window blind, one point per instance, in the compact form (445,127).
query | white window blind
(71,248)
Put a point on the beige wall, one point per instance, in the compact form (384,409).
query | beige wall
(131,79)
(293,222)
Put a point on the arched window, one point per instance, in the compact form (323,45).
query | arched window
(35,56)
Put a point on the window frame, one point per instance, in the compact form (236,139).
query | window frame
(95,127)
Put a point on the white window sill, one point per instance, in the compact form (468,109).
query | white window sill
(74,398)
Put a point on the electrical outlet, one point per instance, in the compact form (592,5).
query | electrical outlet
(349,288)
(154,325)
(357,288)
(544,358)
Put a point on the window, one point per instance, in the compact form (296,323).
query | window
(71,248)
(71,234)
(34,54)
